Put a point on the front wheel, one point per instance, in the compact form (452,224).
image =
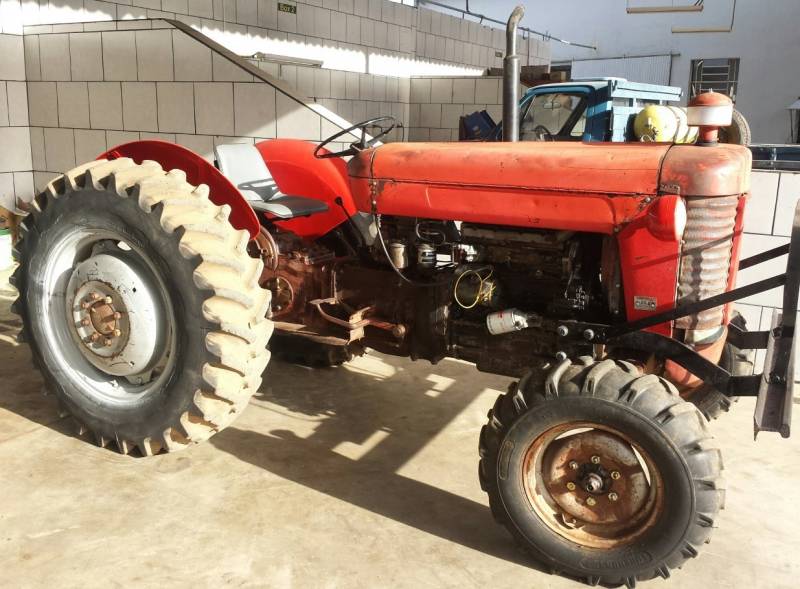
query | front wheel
(141,305)
(601,473)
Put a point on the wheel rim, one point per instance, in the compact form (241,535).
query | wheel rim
(592,484)
(107,317)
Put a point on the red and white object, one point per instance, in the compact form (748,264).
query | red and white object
(710,111)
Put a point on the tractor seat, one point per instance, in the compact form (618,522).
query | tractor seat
(242,164)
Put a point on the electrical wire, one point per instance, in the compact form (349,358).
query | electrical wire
(479,294)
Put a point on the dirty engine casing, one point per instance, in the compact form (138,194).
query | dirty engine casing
(459,274)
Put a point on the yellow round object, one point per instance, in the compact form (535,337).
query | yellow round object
(663,124)
(655,123)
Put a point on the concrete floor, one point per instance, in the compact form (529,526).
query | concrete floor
(360,476)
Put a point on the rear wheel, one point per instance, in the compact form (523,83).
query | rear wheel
(601,473)
(141,305)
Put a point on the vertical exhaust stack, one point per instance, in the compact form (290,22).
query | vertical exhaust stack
(511,78)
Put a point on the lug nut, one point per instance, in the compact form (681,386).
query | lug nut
(588,334)
(573,465)
(615,475)
(108,300)
(612,496)
(108,343)
(595,460)
(94,337)
(84,305)
(571,486)
(561,356)
(591,501)
(117,315)
(562,330)
(95,296)
(117,332)
(85,321)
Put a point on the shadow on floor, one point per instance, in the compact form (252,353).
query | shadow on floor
(405,412)
(21,387)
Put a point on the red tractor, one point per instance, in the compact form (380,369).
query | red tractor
(601,275)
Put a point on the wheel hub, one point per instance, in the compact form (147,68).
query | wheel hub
(609,485)
(116,315)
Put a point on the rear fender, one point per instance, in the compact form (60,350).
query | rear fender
(172,156)
(297,172)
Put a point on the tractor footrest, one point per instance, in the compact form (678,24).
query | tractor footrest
(775,394)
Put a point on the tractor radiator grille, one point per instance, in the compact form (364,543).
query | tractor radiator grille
(706,256)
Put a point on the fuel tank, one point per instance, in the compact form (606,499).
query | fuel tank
(596,187)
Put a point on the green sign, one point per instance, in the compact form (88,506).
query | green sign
(290,8)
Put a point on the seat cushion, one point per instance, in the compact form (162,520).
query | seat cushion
(243,165)
(288,207)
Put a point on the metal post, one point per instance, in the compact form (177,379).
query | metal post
(511,72)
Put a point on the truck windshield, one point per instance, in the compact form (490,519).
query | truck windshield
(559,116)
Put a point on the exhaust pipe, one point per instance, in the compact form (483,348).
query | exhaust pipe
(511,78)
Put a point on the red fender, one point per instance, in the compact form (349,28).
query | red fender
(297,172)
(198,171)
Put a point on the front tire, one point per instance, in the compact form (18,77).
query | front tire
(601,473)
(141,305)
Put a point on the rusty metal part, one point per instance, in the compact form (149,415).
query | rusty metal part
(605,503)
(267,249)
(282,293)
(706,257)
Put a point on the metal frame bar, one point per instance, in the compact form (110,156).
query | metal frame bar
(775,386)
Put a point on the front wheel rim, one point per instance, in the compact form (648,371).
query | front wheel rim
(592,485)
(107,316)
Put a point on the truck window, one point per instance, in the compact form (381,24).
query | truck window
(560,116)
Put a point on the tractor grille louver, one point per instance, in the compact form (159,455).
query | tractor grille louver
(706,256)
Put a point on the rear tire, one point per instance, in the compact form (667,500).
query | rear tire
(170,266)
(667,432)
(738,133)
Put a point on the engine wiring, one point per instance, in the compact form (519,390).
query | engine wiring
(485,291)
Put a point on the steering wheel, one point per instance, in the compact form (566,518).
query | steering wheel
(542,133)
(361,144)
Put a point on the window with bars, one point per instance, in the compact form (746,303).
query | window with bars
(720,75)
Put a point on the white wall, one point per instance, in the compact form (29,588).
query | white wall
(764,37)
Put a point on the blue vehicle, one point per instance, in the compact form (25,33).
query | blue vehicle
(597,109)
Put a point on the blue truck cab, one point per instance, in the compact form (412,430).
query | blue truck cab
(597,109)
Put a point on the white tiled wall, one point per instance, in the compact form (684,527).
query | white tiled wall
(15,149)
(133,84)
(376,36)
(437,104)
(768,224)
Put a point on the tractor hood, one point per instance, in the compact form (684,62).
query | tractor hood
(579,186)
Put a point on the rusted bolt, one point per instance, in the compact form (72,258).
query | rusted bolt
(591,501)
(615,475)
(573,465)
(612,496)
(571,486)
(595,460)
